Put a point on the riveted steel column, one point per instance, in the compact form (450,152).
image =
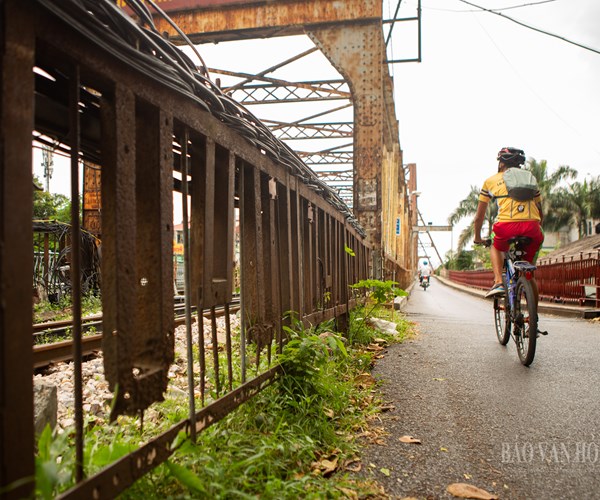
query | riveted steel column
(16,243)
(137,267)
(154,336)
(356,52)
(119,229)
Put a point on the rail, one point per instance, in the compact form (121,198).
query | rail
(575,279)
(116,94)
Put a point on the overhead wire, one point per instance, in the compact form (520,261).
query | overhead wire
(520,23)
(495,10)
(531,88)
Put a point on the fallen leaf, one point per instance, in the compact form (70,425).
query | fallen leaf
(464,490)
(385,472)
(380,341)
(328,413)
(387,408)
(443,449)
(409,439)
(328,466)
(365,379)
(354,466)
(439,379)
(468,476)
(349,493)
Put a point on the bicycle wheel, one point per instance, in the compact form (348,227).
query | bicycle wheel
(525,321)
(502,319)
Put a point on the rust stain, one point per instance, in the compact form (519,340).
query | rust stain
(271,14)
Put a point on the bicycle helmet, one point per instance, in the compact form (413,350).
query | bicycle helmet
(512,157)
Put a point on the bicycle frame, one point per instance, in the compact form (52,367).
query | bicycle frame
(514,269)
(515,314)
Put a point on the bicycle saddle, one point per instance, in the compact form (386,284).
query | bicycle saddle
(520,240)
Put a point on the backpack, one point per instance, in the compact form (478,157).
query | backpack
(521,185)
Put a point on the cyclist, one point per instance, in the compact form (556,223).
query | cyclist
(515,218)
(424,270)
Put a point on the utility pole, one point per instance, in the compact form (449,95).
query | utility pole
(48,164)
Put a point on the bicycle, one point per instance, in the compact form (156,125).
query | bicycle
(516,312)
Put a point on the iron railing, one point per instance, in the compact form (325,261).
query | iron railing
(575,279)
(155,127)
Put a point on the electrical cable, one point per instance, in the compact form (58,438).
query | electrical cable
(520,23)
(141,47)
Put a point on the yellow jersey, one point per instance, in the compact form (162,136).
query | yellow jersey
(509,210)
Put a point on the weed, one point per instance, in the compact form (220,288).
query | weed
(292,440)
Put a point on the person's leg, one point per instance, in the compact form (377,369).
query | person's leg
(497,262)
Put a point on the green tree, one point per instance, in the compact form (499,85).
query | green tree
(549,183)
(551,199)
(48,206)
(577,202)
(468,208)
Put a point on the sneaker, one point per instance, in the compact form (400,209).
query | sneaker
(497,289)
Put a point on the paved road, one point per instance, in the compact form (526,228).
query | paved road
(482,417)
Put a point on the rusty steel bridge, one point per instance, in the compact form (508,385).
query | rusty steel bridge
(106,86)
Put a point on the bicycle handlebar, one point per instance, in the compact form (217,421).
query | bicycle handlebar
(484,243)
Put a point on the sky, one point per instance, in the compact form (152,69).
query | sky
(484,83)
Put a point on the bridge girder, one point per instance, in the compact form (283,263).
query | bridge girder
(350,35)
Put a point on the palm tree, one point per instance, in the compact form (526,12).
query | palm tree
(468,208)
(578,202)
(547,182)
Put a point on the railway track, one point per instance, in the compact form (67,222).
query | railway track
(47,354)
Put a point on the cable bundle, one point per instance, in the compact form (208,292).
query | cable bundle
(141,46)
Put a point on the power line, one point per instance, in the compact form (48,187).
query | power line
(533,91)
(532,27)
(494,10)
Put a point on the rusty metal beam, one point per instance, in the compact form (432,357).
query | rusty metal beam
(266,19)
(333,130)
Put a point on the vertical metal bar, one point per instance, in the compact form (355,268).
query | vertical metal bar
(76,269)
(187,286)
(300,254)
(309,256)
(242,211)
(215,348)
(46,260)
(228,346)
(202,354)
(291,296)
(16,240)
(419,12)
(197,246)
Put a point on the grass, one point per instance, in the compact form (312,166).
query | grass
(296,439)
(49,311)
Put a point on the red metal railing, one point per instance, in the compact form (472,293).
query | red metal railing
(574,279)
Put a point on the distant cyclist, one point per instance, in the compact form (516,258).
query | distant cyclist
(424,270)
(519,211)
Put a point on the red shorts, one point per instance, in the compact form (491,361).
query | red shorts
(504,231)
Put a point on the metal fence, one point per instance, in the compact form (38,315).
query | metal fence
(575,279)
(127,110)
